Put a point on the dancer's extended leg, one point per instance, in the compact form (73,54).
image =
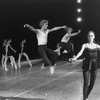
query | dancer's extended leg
(3,60)
(5,63)
(24,54)
(13,61)
(19,59)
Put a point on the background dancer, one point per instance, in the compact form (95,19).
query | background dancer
(23,54)
(4,55)
(42,35)
(90,63)
(67,47)
(7,55)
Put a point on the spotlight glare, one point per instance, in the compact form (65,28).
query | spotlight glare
(79,19)
(79,10)
(79,1)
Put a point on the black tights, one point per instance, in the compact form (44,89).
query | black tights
(48,55)
(89,80)
(69,47)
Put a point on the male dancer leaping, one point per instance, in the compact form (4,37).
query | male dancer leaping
(42,35)
(67,47)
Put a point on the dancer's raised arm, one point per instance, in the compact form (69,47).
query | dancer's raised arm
(22,43)
(57,28)
(73,34)
(31,28)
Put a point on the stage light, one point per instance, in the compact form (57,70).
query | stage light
(79,1)
(79,19)
(79,10)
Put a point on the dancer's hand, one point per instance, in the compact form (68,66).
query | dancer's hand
(26,25)
(79,31)
(65,26)
(72,59)
(22,43)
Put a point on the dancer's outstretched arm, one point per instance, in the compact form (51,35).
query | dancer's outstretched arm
(80,53)
(31,28)
(23,41)
(74,34)
(57,28)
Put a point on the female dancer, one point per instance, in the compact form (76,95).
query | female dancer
(5,57)
(42,36)
(24,54)
(90,63)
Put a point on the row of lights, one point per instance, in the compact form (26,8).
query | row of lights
(79,10)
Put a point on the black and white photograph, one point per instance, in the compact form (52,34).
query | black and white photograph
(49,50)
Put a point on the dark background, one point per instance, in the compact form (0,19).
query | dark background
(15,13)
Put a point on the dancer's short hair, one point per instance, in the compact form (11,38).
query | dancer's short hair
(42,22)
(68,28)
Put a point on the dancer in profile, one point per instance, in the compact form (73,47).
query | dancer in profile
(8,55)
(44,51)
(90,63)
(23,54)
(4,55)
(67,47)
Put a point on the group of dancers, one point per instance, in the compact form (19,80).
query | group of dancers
(63,48)
(89,50)
(8,55)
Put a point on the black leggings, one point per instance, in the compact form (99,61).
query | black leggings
(89,80)
(69,47)
(48,55)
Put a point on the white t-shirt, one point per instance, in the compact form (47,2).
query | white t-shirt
(42,37)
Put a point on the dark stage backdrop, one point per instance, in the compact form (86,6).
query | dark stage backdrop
(15,13)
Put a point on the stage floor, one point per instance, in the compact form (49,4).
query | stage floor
(28,83)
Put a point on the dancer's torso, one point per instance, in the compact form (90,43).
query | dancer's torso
(42,37)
